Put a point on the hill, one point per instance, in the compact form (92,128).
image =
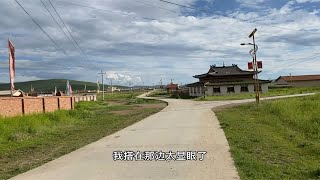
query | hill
(49,85)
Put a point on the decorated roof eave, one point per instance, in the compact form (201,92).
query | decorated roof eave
(218,75)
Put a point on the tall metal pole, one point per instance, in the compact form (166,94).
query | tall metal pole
(256,71)
(111,87)
(255,66)
(102,73)
(98,87)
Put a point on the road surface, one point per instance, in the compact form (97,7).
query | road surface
(184,125)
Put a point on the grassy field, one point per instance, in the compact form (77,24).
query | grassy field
(278,139)
(30,141)
(270,93)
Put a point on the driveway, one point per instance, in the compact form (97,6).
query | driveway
(186,128)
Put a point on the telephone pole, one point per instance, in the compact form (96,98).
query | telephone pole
(111,86)
(98,86)
(102,73)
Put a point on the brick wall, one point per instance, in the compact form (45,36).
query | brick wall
(13,106)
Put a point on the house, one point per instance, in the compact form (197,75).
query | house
(172,87)
(225,80)
(298,81)
(16,93)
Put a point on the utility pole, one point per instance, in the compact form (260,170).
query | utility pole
(110,84)
(98,86)
(143,86)
(255,67)
(130,83)
(102,73)
(161,84)
(111,87)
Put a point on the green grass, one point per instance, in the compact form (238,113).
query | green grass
(120,95)
(173,95)
(159,93)
(270,93)
(30,141)
(277,139)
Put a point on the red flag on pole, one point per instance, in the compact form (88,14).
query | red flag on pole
(259,64)
(250,65)
(11,64)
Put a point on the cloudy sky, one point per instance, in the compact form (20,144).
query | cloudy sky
(143,41)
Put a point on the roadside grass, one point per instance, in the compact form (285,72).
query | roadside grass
(30,141)
(270,93)
(159,93)
(277,139)
(173,95)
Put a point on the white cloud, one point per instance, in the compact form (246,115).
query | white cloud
(133,49)
(123,79)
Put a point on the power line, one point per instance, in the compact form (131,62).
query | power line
(189,7)
(147,18)
(298,62)
(61,30)
(56,45)
(173,4)
(58,24)
(180,5)
(110,11)
(169,10)
(67,28)
(50,38)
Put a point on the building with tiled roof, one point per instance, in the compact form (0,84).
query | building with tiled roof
(298,81)
(225,80)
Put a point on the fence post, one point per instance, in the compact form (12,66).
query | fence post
(72,107)
(43,105)
(23,110)
(58,103)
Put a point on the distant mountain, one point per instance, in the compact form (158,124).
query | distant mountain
(48,85)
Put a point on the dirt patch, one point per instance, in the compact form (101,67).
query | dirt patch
(158,105)
(118,102)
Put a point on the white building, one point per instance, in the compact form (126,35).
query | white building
(225,80)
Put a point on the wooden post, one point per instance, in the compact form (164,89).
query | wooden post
(23,110)
(58,103)
(43,105)
(72,107)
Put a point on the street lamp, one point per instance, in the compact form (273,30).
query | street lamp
(253,53)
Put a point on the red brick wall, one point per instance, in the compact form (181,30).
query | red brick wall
(65,103)
(51,104)
(10,107)
(13,106)
(33,105)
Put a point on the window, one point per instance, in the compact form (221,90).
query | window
(259,88)
(230,89)
(216,90)
(244,89)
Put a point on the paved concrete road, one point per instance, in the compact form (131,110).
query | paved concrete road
(183,125)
